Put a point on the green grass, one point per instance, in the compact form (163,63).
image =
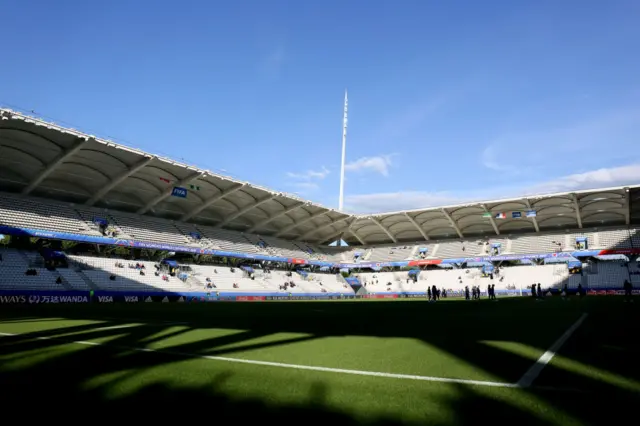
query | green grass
(593,379)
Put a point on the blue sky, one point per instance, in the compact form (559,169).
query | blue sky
(448,101)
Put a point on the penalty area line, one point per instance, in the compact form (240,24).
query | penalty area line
(285,365)
(527,379)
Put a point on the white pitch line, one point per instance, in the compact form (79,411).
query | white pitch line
(141,321)
(527,379)
(293,366)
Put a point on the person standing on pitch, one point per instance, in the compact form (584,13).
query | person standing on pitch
(540,295)
(628,291)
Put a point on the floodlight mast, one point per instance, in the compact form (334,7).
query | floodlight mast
(344,151)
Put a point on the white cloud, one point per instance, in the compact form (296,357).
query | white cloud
(406,200)
(307,182)
(379,164)
(524,152)
(306,186)
(614,176)
(491,160)
(395,201)
(310,174)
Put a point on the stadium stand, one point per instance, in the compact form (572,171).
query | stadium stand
(269,239)
(93,273)
(15,265)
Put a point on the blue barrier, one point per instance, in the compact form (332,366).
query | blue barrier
(47,297)
(10,230)
(27,297)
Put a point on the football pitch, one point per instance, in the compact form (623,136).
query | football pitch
(334,362)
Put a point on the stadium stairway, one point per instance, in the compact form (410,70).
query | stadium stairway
(77,280)
(63,280)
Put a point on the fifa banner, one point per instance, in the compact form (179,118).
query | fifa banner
(69,297)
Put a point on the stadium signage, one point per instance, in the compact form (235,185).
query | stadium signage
(58,299)
(13,299)
(250,298)
(179,192)
(34,299)
(9,230)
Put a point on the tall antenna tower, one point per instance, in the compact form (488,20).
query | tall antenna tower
(344,151)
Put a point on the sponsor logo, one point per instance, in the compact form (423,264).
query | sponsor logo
(36,299)
(148,299)
(131,299)
(64,299)
(165,299)
(105,299)
(179,192)
(13,299)
(250,298)
(181,299)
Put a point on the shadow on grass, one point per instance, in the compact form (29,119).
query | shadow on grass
(115,383)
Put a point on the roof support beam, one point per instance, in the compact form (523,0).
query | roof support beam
(167,192)
(60,159)
(326,225)
(533,219)
(301,222)
(453,223)
(246,209)
(418,227)
(119,179)
(627,207)
(336,237)
(352,232)
(340,234)
(277,215)
(384,228)
(491,219)
(576,206)
(188,215)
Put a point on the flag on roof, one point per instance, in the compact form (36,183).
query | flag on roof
(194,187)
(501,216)
(165,180)
(516,215)
(486,214)
(531,213)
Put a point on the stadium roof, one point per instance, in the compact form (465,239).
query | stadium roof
(43,159)
(553,212)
